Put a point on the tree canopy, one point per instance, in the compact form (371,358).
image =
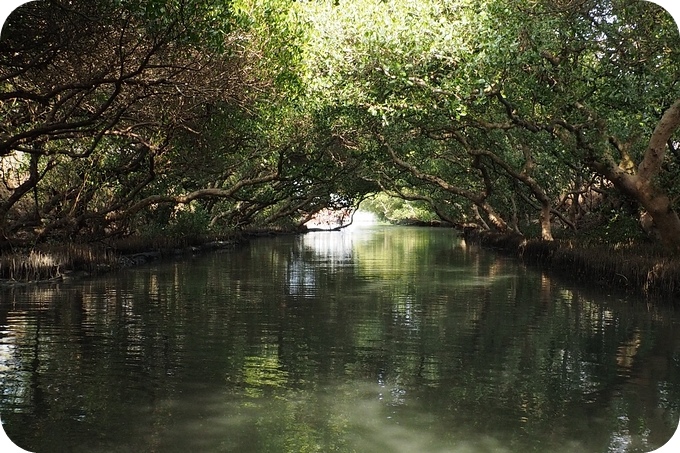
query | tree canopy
(539,117)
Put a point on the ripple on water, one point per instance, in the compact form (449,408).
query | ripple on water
(392,341)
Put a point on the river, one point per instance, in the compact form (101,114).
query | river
(380,339)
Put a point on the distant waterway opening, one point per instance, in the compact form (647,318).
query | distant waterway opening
(329,219)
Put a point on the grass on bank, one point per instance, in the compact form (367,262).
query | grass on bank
(638,267)
(55,262)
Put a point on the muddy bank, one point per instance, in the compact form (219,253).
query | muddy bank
(644,269)
(59,262)
(53,263)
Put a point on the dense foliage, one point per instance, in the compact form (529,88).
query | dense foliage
(194,116)
(512,114)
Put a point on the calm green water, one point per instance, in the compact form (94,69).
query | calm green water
(374,340)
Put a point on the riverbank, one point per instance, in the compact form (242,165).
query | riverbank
(57,262)
(644,269)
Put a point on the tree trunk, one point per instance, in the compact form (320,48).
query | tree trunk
(479,199)
(525,178)
(29,184)
(496,220)
(657,204)
(641,186)
(546,225)
(479,218)
(668,225)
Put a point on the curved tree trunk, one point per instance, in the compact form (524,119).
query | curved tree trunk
(546,224)
(479,199)
(525,178)
(641,186)
(496,220)
(25,187)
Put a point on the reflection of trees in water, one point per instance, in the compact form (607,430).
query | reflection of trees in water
(301,279)
(548,354)
(328,249)
(315,253)
(399,327)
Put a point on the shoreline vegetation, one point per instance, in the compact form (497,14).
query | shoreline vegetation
(173,123)
(639,268)
(47,263)
(56,263)
(644,269)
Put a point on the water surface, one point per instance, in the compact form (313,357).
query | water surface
(387,339)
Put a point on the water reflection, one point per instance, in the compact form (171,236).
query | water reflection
(386,339)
